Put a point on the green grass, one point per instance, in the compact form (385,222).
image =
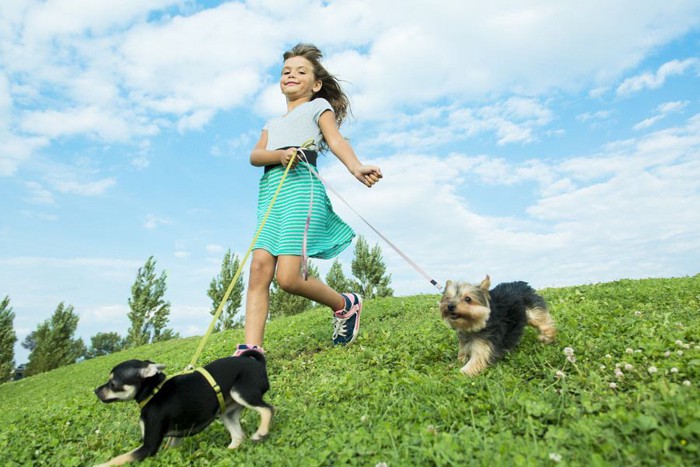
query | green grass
(396,396)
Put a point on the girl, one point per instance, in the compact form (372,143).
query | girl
(316,106)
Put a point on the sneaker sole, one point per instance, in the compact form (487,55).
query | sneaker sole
(356,331)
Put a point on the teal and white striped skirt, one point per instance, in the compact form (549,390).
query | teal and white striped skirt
(283,233)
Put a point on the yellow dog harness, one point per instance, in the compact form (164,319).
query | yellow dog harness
(210,379)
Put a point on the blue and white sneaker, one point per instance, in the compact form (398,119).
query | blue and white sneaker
(346,323)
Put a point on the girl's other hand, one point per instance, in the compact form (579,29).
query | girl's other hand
(368,174)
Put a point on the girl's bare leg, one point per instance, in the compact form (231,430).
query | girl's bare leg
(262,270)
(290,280)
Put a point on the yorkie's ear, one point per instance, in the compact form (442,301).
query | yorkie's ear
(485,284)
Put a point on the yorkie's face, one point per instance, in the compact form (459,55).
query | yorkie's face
(464,306)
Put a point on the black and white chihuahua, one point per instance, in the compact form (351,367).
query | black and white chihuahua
(187,403)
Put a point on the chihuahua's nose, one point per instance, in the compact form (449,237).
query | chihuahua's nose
(451,307)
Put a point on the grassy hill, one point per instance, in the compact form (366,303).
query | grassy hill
(397,397)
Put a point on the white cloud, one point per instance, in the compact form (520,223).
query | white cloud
(599,115)
(655,80)
(214,249)
(38,194)
(124,70)
(95,188)
(152,221)
(647,122)
(512,120)
(14,150)
(79,121)
(674,106)
(625,213)
(663,110)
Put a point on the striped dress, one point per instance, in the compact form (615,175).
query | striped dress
(283,233)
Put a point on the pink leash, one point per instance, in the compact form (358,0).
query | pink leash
(304,256)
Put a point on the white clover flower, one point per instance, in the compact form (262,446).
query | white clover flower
(602,367)
(571,358)
(637,313)
(679,342)
(613,385)
(607,355)
(560,374)
(674,370)
(686,382)
(628,367)
(619,374)
(667,353)
(568,351)
(652,370)
(618,365)
(679,352)
(628,350)
(638,351)
(555,457)
(382,464)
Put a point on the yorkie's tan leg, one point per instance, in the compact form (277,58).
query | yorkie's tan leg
(541,319)
(481,353)
(463,353)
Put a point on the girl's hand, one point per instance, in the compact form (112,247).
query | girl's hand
(368,174)
(288,154)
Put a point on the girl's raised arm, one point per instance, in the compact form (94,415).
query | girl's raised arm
(367,174)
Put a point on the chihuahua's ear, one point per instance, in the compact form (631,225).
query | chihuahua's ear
(152,369)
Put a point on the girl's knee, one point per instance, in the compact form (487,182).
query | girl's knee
(288,282)
(261,269)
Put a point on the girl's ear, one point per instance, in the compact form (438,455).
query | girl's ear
(317,86)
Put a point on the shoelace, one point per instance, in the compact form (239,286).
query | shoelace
(339,328)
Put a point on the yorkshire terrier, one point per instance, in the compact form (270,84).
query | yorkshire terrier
(490,323)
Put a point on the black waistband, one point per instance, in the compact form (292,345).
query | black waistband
(311,157)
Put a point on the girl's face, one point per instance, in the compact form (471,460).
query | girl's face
(298,80)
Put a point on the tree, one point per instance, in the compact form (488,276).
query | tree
(217,290)
(336,280)
(8,337)
(52,344)
(370,271)
(286,304)
(105,343)
(149,311)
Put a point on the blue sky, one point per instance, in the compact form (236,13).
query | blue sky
(553,142)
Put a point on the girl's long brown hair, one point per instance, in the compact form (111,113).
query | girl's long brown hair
(331,89)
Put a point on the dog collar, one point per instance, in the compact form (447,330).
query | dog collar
(215,386)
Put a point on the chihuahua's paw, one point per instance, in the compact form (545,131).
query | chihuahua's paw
(257,437)
(235,442)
